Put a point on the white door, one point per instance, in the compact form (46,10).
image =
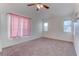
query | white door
(0,46)
(76,37)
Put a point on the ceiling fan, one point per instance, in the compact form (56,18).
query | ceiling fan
(39,6)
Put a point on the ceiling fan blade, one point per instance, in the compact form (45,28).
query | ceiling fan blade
(46,6)
(30,4)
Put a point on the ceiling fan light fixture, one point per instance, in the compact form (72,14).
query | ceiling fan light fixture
(39,6)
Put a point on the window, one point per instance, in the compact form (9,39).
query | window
(45,26)
(67,26)
(19,26)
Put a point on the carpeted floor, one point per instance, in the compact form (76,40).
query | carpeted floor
(41,47)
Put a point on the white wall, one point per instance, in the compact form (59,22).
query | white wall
(20,9)
(56,29)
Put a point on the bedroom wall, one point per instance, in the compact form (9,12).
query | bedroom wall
(56,29)
(20,9)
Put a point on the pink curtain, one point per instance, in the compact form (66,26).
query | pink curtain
(19,26)
(26,27)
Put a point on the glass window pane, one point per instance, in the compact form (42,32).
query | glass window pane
(45,26)
(67,26)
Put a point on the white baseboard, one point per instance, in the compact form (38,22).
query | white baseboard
(59,36)
(26,39)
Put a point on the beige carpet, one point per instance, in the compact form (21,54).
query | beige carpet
(41,47)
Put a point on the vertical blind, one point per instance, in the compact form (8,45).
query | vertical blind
(19,26)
